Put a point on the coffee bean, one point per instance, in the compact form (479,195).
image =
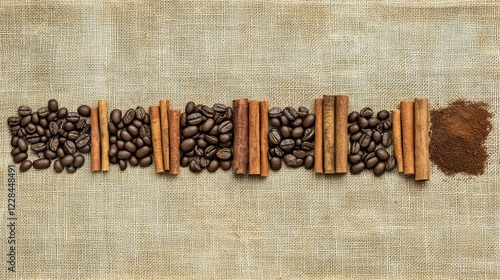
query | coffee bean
(213,166)
(125,136)
(225,138)
(220,108)
(387,139)
(353,117)
(293,161)
(22,145)
(366,112)
(69,147)
(371,147)
(32,138)
(285,131)
(382,115)
(373,122)
(13,141)
(73,117)
(372,162)
(275,163)
(25,166)
(290,113)
(41,163)
(73,135)
(210,151)
(123,154)
(190,131)
(382,154)
(379,169)
(194,166)
(309,121)
(386,125)
(353,159)
(58,168)
(297,132)
(85,149)
(19,157)
(309,162)
(122,164)
(143,152)
(368,156)
(297,122)
(299,154)
(24,111)
(116,116)
(189,107)
(129,146)
(145,132)
(82,140)
(84,110)
(30,128)
(38,147)
(140,113)
(225,126)
(224,154)
(70,169)
(12,121)
(133,161)
(275,122)
(355,147)
(362,122)
(356,136)
(194,118)
(275,112)
(53,105)
(62,113)
(208,125)
(287,144)
(376,137)
(147,141)
(364,141)
(146,161)
(390,163)
(67,160)
(49,154)
(207,111)
(357,168)
(129,116)
(307,146)
(133,130)
(187,144)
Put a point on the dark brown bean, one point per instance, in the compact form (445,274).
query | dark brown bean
(146,161)
(309,162)
(85,149)
(12,121)
(116,116)
(275,122)
(285,131)
(365,140)
(382,115)
(213,165)
(366,112)
(82,140)
(79,161)
(189,107)
(140,113)
(70,169)
(353,159)
(194,119)
(287,144)
(275,163)
(208,125)
(41,163)
(53,105)
(362,122)
(69,147)
(357,168)
(67,160)
(24,111)
(187,144)
(290,113)
(387,139)
(133,161)
(355,147)
(224,154)
(297,122)
(194,166)
(49,154)
(373,122)
(225,127)
(143,152)
(353,128)
(371,147)
(379,169)
(123,154)
(25,166)
(22,145)
(123,164)
(353,117)
(372,162)
(297,132)
(19,157)
(73,117)
(125,136)
(38,147)
(84,110)
(58,167)
(275,112)
(382,154)
(129,116)
(62,113)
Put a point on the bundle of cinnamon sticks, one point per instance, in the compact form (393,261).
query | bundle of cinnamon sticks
(165,134)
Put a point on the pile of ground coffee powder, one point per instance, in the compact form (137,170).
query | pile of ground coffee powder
(458,136)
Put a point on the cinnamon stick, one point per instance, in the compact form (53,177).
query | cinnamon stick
(318,136)
(408,137)
(174,141)
(421,126)
(103,130)
(240,145)
(164,107)
(397,139)
(254,138)
(95,148)
(154,115)
(341,136)
(329,134)
(264,144)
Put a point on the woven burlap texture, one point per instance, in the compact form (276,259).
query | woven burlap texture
(294,224)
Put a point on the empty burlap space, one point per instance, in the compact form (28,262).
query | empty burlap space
(137,224)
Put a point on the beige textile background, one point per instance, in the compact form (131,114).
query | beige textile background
(294,224)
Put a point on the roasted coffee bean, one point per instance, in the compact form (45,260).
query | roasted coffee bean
(229,116)
(225,164)
(299,154)
(379,169)
(53,128)
(364,141)
(355,147)
(80,125)
(13,141)
(309,162)
(184,161)
(220,108)
(53,105)
(60,153)
(287,144)
(210,151)
(133,130)
(67,160)
(120,144)
(225,127)
(290,113)
(211,139)
(73,117)
(373,122)
(370,163)
(129,146)
(307,146)
(376,137)
(25,166)
(24,111)
(69,147)
(30,128)
(368,156)
(147,141)
(14,131)
(353,159)
(44,139)
(275,122)
(22,145)
(58,167)
(303,111)
(308,134)
(68,126)
(382,154)
(183,120)
(12,121)
(40,130)
(116,116)
(143,152)
(145,132)
(85,149)
(198,151)
(113,160)
(194,166)
(122,164)
(129,116)
(194,118)
(133,161)
(82,140)
(353,128)
(353,117)
(224,154)
(386,125)
(190,131)
(36,119)
(19,157)
(371,147)
(283,120)
(123,154)
(366,112)
(293,161)
(208,125)
(49,154)
(357,168)
(297,132)
(125,136)
(225,138)
(146,161)
(73,135)
(309,121)
(387,139)
(356,136)
(32,138)
(297,122)
(204,162)
(140,113)
(62,113)
(362,122)
(41,163)
(207,111)
(38,147)
(189,107)
(275,163)
(15,151)
(275,112)
(382,115)
(187,144)
(213,166)
(390,163)
(70,169)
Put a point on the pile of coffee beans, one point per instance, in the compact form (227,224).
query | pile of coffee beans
(206,137)
(291,137)
(130,138)
(370,136)
(51,133)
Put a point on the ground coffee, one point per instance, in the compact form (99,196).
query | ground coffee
(458,136)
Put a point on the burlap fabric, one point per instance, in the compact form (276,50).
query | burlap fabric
(294,224)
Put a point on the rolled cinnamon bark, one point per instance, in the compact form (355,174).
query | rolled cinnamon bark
(329,134)
(240,145)
(254,138)
(397,139)
(264,144)
(421,125)
(408,137)
(103,130)
(174,141)
(318,136)
(154,114)
(341,136)
(164,107)
(95,148)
